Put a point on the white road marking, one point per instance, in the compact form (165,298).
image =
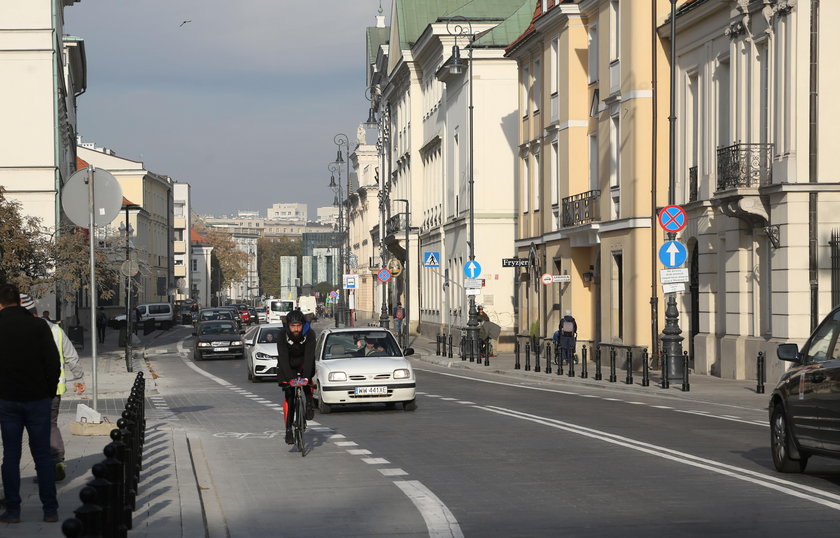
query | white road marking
(312,423)
(439,520)
(662,406)
(359,452)
(614,399)
(432,395)
(376,461)
(466,402)
(337,436)
(346,443)
(807,493)
(449,399)
(588,396)
(208,375)
(393,472)
(637,403)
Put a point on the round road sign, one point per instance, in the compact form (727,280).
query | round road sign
(672,218)
(384,275)
(546,278)
(107,198)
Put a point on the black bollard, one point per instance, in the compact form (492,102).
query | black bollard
(131,474)
(72,528)
(437,345)
(537,348)
(645,369)
(583,358)
(561,352)
(115,464)
(548,357)
(666,384)
(759,373)
(105,493)
(628,379)
(598,376)
(572,359)
(450,345)
(90,513)
(685,386)
(516,365)
(527,356)
(461,350)
(613,377)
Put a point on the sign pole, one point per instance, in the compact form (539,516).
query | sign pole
(92,240)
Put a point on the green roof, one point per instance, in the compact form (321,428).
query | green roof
(413,16)
(376,37)
(508,31)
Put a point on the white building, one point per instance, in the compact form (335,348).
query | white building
(327,215)
(200,269)
(181,246)
(247,289)
(288,211)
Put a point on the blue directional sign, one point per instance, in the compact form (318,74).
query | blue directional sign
(431,259)
(672,254)
(472,269)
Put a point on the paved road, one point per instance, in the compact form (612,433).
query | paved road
(487,455)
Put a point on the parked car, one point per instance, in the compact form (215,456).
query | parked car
(805,404)
(162,313)
(360,366)
(309,306)
(218,339)
(261,351)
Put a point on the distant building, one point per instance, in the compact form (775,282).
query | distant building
(327,215)
(182,211)
(288,211)
(268,228)
(248,288)
(200,269)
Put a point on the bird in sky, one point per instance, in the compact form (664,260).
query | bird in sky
(183,23)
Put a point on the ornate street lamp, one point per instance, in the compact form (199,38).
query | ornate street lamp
(461,27)
(335,169)
(383,126)
(342,141)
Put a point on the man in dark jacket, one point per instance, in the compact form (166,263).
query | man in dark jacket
(29,373)
(295,357)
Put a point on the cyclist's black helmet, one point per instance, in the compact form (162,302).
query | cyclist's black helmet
(295,316)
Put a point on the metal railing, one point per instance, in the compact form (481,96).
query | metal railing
(395,224)
(581,208)
(744,166)
(692,184)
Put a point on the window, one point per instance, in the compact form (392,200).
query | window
(593,161)
(194,266)
(723,115)
(554,67)
(536,181)
(617,293)
(822,341)
(526,179)
(554,179)
(615,24)
(537,93)
(615,152)
(526,89)
(593,54)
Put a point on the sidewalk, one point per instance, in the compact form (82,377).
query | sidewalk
(704,388)
(167,500)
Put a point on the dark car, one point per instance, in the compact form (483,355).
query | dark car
(213,314)
(253,313)
(218,339)
(805,405)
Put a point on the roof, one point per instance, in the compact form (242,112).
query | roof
(511,28)
(376,37)
(196,236)
(529,30)
(413,16)
(126,203)
(81,164)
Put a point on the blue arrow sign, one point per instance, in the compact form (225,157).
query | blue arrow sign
(431,259)
(472,269)
(672,254)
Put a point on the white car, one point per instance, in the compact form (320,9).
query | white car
(362,366)
(261,351)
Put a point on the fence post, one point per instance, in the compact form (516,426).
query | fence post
(598,376)
(645,369)
(759,374)
(537,349)
(516,365)
(628,379)
(685,386)
(665,382)
(450,346)
(572,359)
(527,356)
(613,377)
(548,357)
(584,373)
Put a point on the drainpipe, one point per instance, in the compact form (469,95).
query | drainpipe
(813,98)
(654,300)
(56,137)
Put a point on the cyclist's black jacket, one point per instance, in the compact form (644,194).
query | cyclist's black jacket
(296,355)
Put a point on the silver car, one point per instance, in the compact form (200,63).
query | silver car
(261,351)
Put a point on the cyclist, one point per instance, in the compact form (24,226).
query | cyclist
(295,357)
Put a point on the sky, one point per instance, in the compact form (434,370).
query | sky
(242,102)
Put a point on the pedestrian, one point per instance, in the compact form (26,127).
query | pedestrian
(46,315)
(29,373)
(399,316)
(481,314)
(568,337)
(101,324)
(69,359)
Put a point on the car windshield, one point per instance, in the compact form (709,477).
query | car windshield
(269,336)
(214,314)
(345,345)
(220,327)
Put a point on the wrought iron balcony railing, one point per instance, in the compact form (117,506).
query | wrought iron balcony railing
(395,224)
(692,184)
(581,208)
(744,166)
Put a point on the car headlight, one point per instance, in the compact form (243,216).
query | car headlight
(236,343)
(204,344)
(264,356)
(402,373)
(337,376)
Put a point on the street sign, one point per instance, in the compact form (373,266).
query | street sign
(333,295)
(673,276)
(546,279)
(673,288)
(561,278)
(515,262)
(384,275)
(395,267)
(472,269)
(107,197)
(471,291)
(672,218)
(431,259)
(351,282)
(672,254)
(472,283)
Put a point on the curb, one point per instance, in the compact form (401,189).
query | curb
(192,512)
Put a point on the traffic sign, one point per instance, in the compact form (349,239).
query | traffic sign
(672,254)
(395,266)
(473,291)
(561,278)
(673,288)
(546,279)
(472,269)
(351,282)
(673,276)
(431,259)
(672,218)
(515,262)
(384,275)
(473,283)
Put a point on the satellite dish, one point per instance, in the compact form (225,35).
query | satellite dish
(129,268)
(107,198)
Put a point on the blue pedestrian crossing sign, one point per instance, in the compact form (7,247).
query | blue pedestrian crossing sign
(431,259)
(472,269)
(672,254)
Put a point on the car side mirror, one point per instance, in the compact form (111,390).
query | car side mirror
(408,351)
(788,352)
(249,342)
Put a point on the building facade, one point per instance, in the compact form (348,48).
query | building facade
(181,245)
(288,211)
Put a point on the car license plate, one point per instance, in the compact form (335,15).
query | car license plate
(367,391)
(221,349)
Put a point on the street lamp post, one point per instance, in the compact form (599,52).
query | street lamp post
(342,141)
(334,169)
(407,280)
(462,27)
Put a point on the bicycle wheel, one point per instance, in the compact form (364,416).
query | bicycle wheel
(300,420)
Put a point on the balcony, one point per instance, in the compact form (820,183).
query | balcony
(395,224)
(179,247)
(581,208)
(180,270)
(692,184)
(744,166)
(615,77)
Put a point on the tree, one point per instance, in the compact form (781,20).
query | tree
(269,252)
(232,262)
(24,247)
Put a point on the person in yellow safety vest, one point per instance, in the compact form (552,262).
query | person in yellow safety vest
(69,360)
